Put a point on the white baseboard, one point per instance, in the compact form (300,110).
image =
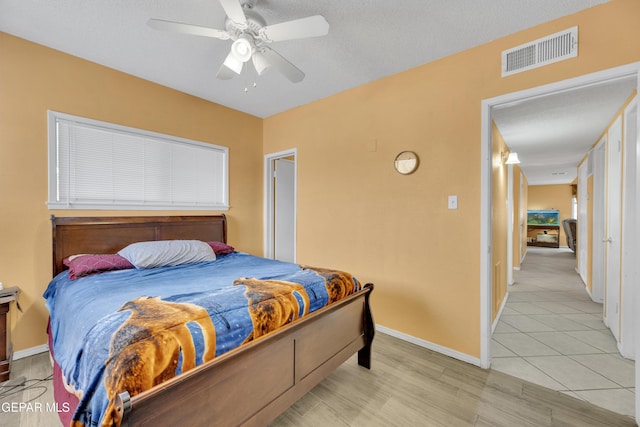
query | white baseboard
(20,354)
(431,346)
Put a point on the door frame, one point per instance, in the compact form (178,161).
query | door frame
(269,201)
(510,225)
(487,105)
(630,229)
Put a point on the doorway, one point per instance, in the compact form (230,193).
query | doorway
(280,205)
(632,70)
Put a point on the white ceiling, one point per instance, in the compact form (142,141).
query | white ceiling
(367,40)
(552,134)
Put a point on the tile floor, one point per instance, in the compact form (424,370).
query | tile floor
(552,334)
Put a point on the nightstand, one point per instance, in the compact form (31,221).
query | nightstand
(7,296)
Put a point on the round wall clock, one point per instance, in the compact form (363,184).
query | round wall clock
(406,162)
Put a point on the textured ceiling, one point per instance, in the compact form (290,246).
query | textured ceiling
(552,134)
(367,40)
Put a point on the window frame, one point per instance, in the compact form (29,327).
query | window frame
(55,201)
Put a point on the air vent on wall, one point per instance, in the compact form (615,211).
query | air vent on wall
(547,50)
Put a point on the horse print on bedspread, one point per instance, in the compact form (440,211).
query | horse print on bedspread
(146,348)
(339,284)
(273,303)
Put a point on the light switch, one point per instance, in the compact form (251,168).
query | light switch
(453,202)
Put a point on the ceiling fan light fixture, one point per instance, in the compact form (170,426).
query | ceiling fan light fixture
(233,64)
(242,49)
(260,62)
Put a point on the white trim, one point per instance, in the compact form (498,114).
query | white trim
(429,345)
(510,214)
(513,98)
(637,249)
(269,231)
(629,245)
(485,237)
(21,354)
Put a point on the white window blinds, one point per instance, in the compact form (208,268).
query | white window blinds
(98,165)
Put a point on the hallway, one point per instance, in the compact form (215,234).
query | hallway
(551,333)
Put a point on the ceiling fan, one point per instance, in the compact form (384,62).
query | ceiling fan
(251,36)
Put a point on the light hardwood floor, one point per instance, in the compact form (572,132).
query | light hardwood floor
(407,386)
(412,386)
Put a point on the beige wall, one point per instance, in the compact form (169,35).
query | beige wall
(557,197)
(356,213)
(34,79)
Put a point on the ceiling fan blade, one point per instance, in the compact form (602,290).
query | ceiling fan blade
(277,61)
(312,26)
(234,11)
(178,27)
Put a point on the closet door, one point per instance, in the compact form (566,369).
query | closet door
(613,228)
(285,220)
(582,237)
(598,250)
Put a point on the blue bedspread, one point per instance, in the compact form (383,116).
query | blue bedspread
(132,329)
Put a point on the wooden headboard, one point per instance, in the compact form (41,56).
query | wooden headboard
(107,235)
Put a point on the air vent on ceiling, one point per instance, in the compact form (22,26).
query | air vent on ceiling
(547,50)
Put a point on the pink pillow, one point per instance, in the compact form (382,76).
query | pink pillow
(221,248)
(84,265)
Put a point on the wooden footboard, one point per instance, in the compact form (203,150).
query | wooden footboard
(253,384)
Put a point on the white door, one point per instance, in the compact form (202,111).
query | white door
(284,214)
(598,253)
(582,231)
(510,225)
(521,217)
(613,234)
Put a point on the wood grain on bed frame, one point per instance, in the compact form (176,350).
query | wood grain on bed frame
(250,385)
(107,235)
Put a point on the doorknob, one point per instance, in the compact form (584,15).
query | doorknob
(609,240)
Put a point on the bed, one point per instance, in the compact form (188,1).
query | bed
(224,372)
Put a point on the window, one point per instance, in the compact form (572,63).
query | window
(98,165)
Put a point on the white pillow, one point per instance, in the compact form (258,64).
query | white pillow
(163,253)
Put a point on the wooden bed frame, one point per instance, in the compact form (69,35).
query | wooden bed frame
(250,385)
